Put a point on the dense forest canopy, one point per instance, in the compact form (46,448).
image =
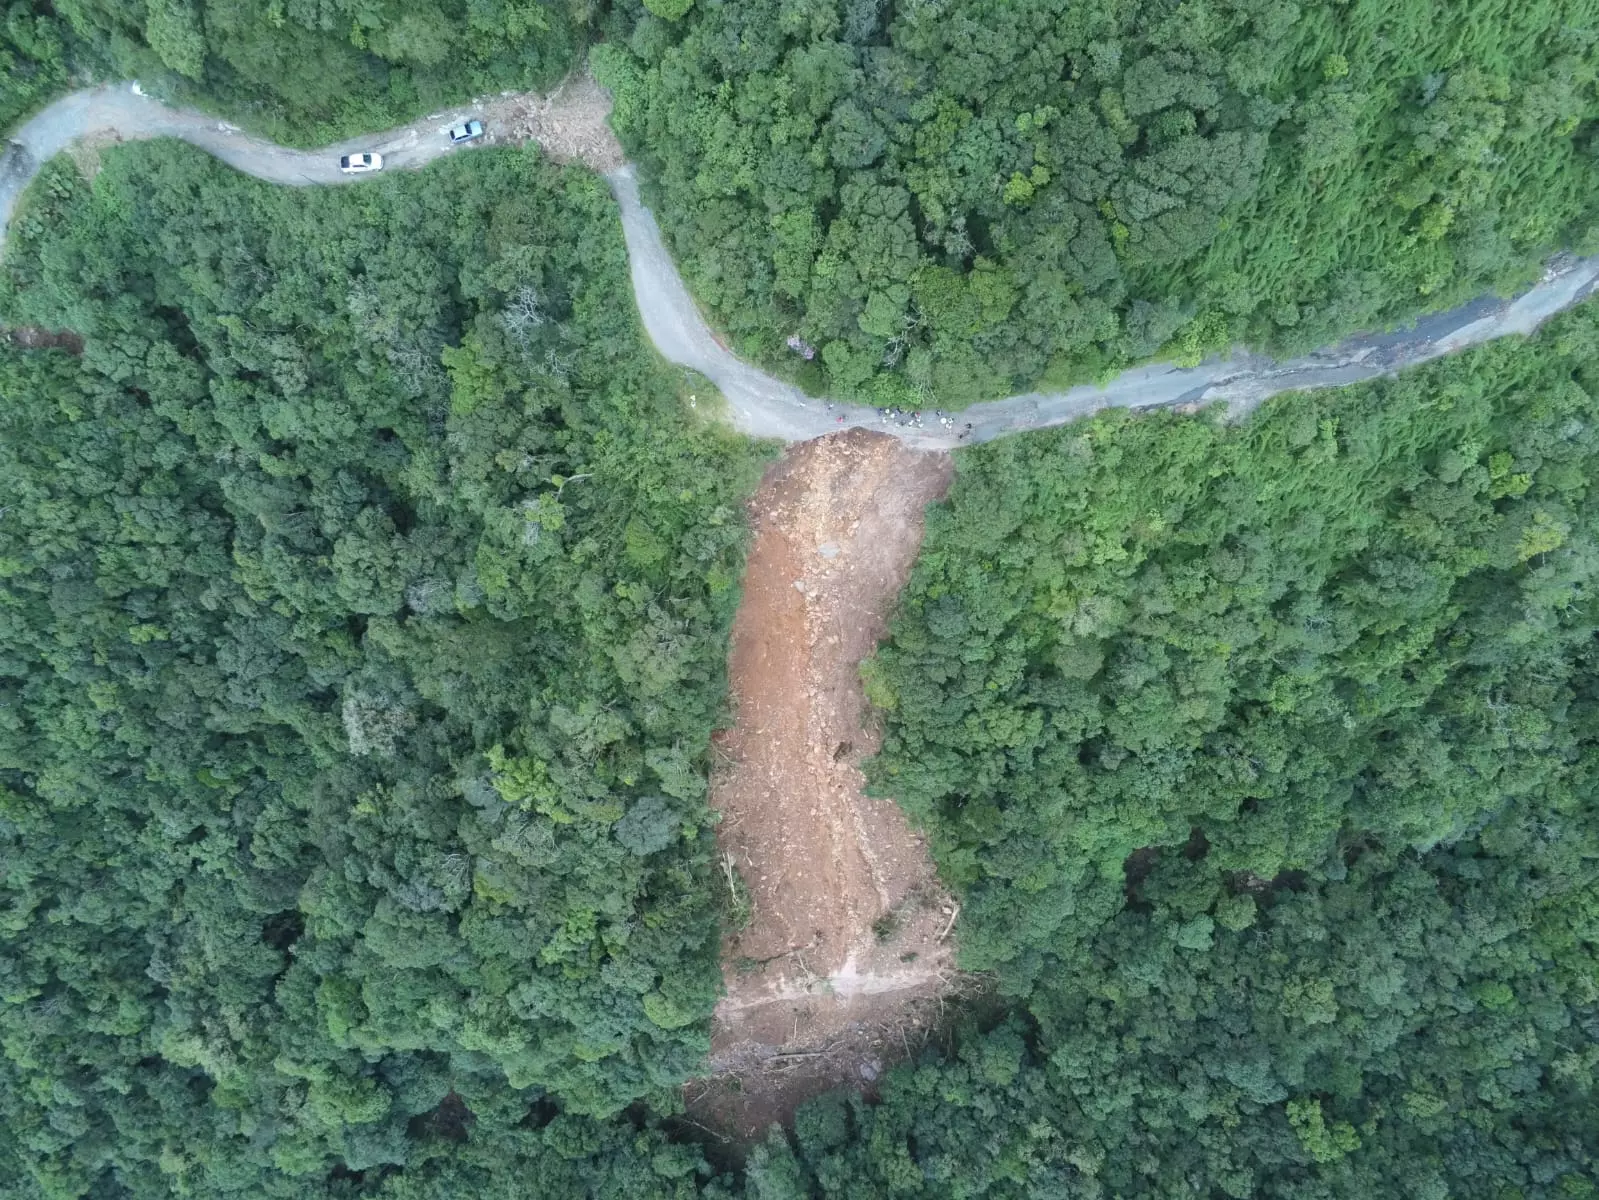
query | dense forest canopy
(950,200)
(1363,614)
(365,590)
(1263,758)
(1420,1028)
(306,71)
(365,600)
(364,607)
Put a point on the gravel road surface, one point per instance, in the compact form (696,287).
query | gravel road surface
(759,404)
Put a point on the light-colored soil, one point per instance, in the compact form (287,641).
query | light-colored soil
(846,959)
(85,152)
(570,123)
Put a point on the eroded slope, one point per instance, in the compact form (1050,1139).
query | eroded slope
(848,940)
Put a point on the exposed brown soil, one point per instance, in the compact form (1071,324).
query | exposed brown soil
(847,958)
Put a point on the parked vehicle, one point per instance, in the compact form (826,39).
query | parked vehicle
(356,164)
(466,131)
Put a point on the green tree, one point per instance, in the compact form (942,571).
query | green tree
(175,33)
(1155,182)
(326,823)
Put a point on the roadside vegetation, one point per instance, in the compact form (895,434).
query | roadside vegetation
(951,200)
(366,588)
(302,73)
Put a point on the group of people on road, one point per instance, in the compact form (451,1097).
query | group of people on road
(913,419)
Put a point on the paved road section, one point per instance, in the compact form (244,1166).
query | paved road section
(759,404)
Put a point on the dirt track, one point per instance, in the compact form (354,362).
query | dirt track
(849,938)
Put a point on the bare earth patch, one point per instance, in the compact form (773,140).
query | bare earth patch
(85,152)
(570,123)
(847,958)
(31,337)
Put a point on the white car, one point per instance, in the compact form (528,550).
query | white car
(357,164)
(466,131)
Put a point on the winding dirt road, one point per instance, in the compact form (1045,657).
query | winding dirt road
(570,124)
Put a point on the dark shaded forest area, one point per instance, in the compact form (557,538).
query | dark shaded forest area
(1263,758)
(364,621)
(952,200)
(365,600)
(302,71)
(365,591)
